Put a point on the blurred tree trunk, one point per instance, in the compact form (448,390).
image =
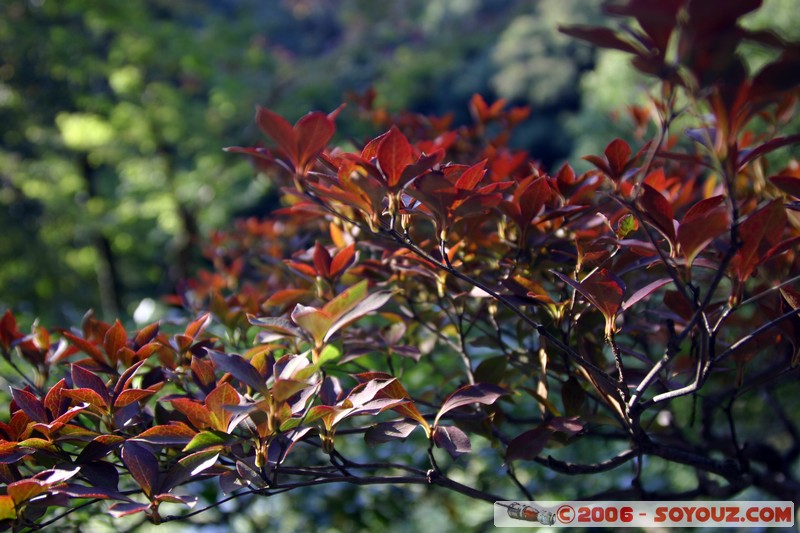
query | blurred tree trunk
(108,281)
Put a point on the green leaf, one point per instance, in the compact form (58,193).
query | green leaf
(7,510)
(206,439)
(330,353)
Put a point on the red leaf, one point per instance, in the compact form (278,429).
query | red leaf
(84,379)
(99,447)
(617,152)
(343,260)
(287,296)
(198,326)
(89,396)
(142,465)
(126,378)
(394,155)
(705,220)
(30,405)
(25,489)
(763,225)
(657,210)
(132,395)
(115,339)
(313,132)
(223,395)
(203,371)
(452,439)
(322,260)
(482,393)
(146,334)
(197,413)
(370,151)
(279,130)
(53,400)
(471,177)
(769,146)
(604,290)
(172,434)
(645,291)
(86,347)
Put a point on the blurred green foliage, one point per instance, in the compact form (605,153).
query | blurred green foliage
(115,114)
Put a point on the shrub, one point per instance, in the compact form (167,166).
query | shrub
(438,286)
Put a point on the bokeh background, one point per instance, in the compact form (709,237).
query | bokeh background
(113,116)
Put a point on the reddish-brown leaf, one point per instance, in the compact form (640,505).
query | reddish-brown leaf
(25,489)
(394,155)
(223,395)
(604,290)
(239,368)
(197,413)
(452,439)
(618,152)
(703,222)
(788,184)
(279,130)
(657,210)
(115,339)
(343,260)
(30,405)
(198,326)
(370,150)
(395,390)
(322,260)
(86,347)
(142,465)
(483,393)
(203,370)
(763,225)
(644,292)
(132,395)
(89,396)
(313,132)
(471,177)
(54,401)
(146,334)
(767,147)
(528,445)
(172,434)
(85,379)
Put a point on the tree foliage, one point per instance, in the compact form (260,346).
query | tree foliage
(439,294)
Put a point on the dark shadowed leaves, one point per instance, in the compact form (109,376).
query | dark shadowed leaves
(142,465)
(389,431)
(452,439)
